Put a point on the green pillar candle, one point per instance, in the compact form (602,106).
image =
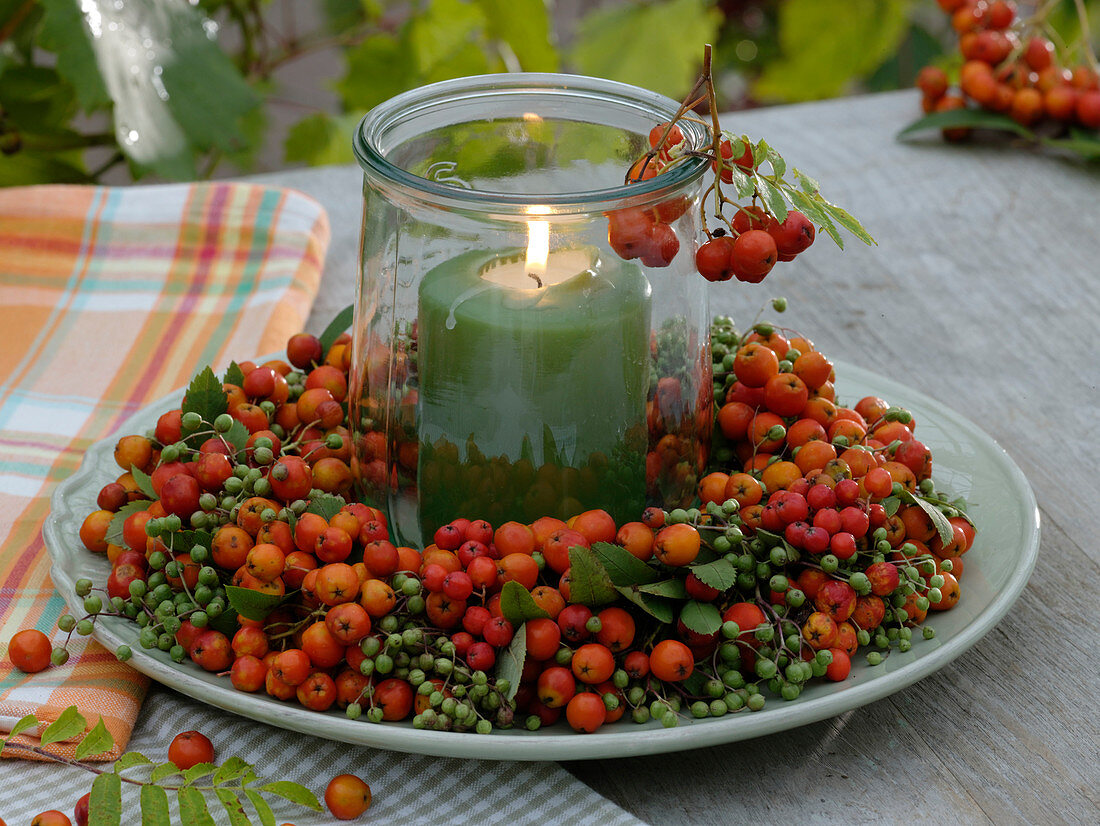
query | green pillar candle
(532,398)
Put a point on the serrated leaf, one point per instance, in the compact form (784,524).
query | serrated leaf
(510,663)
(589,582)
(772,197)
(779,166)
(251,604)
(237,436)
(695,683)
(849,222)
(972,118)
(114,530)
(294,792)
(154,806)
(742,182)
(233,807)
(809,185)
(96,741)
(193,811)
(622,566)
(661,610)
(598,45)
(263,810)
(943,527)
(335,327)
(183,541)
(891,505)
(198,770)
(226,622)
(812,209)
(129,760)
(144,482)
(670,588)
(68,725)
(701,617)
(759,152)
(517,605)
(233,374)
(163,770)
(720,574)
(326,505)
(105,804)
(231,769)
(205,396)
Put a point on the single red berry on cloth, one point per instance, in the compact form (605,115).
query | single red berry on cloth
(29,650)
(51,818)
(347,796)
(189,748)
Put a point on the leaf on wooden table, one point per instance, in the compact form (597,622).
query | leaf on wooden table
(670,588)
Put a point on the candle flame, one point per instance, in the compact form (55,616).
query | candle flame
(538,249)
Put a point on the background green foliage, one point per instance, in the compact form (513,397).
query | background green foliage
(178,90)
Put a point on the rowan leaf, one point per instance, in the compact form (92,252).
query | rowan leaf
(163,770)
(660,609)
(510,663)
(231,769)
(68,725)
(263,810)
(720,574)
(943,527)
(154,806)
(129,760)
(105,803)
(193,810)
(670,588)
(589,582)
(114,530)
(144,482)
(777,205)
(96,741)
(198,770)
(233,807)
(294,792)
(517,605)
(622,566)
(701,617)
(251,604)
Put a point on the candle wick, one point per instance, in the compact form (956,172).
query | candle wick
(535,276)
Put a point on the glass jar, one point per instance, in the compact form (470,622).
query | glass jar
(509,363)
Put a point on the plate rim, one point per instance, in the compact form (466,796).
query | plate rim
(519,744)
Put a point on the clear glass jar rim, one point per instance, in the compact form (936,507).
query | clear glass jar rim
(662,108)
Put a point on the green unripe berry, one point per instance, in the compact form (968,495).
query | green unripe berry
(756,702)
(66,622)
(223,423)
(190,420)
(59,656)
(874,657)
(84,627)
(83,587)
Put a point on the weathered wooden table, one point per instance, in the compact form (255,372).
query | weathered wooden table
(984,293)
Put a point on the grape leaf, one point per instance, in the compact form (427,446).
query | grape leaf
(321,138)
(251,604)
(589,583)
(326,505)
(720,574)
(517,605)
(105,804)
(660,609)
(671,588)
(233,807)
(510,662)
(294,792)
(263,810)
(233,374)
(193,811)
(114,530)
(96,741)
(144,482)
(335,327)
(622,566)
(68,725)
(154,806)
(701,617)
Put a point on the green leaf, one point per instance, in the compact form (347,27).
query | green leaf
(294,792)
(772,197)
(622,566)
(634,43)
(68,725)
(322,139)
(231,769)
(517,605)
(154,806)
(549,446)
(671,588)
(335,327)
(129,760)
(701,617)
(779,166)
(891,505)
(36,99)
(193,811)
(743,183)
(826,44)
(326,505)
(263,810)
(198,770)
(510,663)
(695,683)
(205,396)
(973,118)
(442,38)
(849,222)
(720,574)
(759,152)
(813,210)
(96,741)
(163,770)
(377,69)
(105,804)
(1080,142)
(65,33)
(144,482)
(226,622)
(237,436)
(943,527)
(233,374)
(809,185)
(27,168)
(25,723)
(233,807)
(660,609)
(114,530)
(251,604)
(524,26)
(589,582)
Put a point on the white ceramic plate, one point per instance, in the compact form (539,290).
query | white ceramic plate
(966,462)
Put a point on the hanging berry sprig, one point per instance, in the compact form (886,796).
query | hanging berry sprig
(765,219)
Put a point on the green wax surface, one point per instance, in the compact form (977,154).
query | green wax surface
(552,376)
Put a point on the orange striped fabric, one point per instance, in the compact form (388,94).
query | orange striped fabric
(109,299)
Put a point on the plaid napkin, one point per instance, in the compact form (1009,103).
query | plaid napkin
(109,299)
